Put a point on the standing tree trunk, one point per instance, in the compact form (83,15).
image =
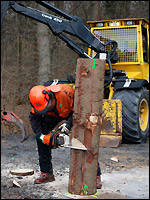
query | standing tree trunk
(43,48)
(86,125)
(95,8)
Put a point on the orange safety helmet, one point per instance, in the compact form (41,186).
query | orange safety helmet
(39,97)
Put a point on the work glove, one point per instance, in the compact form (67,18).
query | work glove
(46,139)
(65,128)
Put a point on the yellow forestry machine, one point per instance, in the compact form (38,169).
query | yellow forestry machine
(125,45)
(126,98)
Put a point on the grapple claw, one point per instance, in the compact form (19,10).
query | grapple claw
(10,117)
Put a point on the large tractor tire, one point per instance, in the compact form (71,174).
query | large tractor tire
(135,114)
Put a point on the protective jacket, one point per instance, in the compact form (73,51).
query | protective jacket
(64,98)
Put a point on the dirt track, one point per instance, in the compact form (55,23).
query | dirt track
(24,155)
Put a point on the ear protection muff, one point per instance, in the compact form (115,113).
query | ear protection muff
(48,95)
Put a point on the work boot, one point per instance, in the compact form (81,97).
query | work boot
(44,178)
(98,183)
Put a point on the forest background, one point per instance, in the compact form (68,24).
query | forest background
(31,54)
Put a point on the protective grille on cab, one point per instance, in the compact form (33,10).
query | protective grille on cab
(126,39)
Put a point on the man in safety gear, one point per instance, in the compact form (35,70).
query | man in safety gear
(50,105)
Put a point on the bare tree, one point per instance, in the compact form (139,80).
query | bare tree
(43,49)
(95,7)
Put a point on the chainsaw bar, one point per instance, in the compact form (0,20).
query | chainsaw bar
(76,144)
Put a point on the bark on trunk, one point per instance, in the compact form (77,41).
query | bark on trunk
(95,7)
(86,125)
(43,49)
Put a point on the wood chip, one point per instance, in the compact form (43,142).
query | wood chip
(16,184)
(114,159)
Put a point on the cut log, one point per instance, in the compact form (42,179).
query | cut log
(21,172)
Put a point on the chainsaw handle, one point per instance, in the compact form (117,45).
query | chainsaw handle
(51,138)
(53,133)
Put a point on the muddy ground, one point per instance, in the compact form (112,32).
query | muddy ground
(15,154)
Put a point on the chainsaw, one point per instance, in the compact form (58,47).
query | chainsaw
(61,139)
(58,139)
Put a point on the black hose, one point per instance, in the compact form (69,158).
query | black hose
(110,55)
(110,70)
